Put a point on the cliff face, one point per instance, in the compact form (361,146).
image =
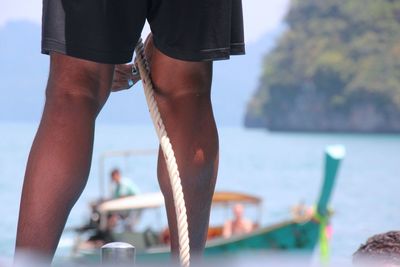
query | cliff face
(336,68)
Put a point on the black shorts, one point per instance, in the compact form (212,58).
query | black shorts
(107,31)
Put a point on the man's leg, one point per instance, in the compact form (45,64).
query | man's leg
(60,156)
(183,95)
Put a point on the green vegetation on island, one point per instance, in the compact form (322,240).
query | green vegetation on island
(336,68)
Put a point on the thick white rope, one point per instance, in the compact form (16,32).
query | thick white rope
(179,201)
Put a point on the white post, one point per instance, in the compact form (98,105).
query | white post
(118,254)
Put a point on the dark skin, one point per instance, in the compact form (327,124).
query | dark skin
(123,72)
(61,153)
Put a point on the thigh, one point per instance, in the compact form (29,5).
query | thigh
(104,31)
(79,78)
(194,30)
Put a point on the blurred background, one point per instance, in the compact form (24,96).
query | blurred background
(316,73)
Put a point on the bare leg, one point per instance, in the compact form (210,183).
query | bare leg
(60,156)
(183,94)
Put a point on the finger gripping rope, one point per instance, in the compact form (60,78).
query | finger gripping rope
(166,146)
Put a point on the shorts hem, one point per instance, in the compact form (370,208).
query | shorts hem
(202,55)
(50,45)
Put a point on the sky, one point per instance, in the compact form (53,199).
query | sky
(260,16)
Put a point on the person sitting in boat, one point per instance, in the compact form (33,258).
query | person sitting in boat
(102,236)
(239,225)
(123,186)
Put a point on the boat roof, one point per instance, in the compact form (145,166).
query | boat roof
(156,200)
(137,202)
(233,197)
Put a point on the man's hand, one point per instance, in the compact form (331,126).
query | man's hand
(126,75)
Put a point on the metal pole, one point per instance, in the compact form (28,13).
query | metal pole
(118,254)
(101,170)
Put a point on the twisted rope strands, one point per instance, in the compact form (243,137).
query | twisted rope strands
(172,167)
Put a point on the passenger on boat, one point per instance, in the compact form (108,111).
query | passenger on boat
(123,186)
(239,225)
(102,236)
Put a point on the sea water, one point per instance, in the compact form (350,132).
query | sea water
(282,168)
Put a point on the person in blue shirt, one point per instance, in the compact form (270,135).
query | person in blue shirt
(123,186)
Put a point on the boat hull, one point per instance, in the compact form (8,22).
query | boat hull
(290,236)
(285,236)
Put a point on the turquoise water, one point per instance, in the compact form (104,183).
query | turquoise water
(281,168)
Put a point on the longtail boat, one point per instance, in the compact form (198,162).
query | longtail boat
(301,233)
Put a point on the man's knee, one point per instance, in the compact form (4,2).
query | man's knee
(74,81)
(173,78)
